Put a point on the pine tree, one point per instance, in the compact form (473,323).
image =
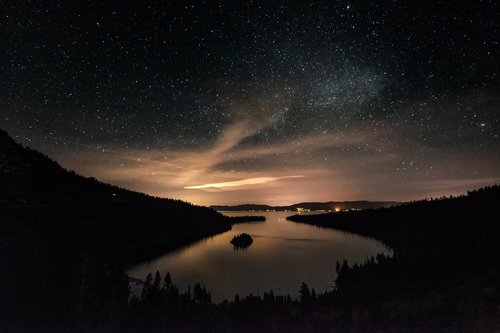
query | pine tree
(304,293)
(197,293)
(156,283)
(167,284)
(146,286)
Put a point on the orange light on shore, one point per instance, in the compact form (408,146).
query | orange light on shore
(337,209)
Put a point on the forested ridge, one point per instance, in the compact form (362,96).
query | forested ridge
(445,271)
(66,239)
(446,235)
(63,235)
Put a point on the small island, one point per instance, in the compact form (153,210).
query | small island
(242,240)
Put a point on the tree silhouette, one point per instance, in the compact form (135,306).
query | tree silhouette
(167,284)
(146,286)
(304,294)
(156,283)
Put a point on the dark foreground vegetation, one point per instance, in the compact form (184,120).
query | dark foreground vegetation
(66,239)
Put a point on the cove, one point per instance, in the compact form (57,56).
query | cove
(282,256)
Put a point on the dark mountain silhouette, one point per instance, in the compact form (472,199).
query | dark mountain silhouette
(59,229)
(318,206)
(30,177)
(125,219)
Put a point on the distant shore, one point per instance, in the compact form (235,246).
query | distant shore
(310,206)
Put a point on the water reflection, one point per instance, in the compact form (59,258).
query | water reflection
(282,256)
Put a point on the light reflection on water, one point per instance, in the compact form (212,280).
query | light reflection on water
(282,256)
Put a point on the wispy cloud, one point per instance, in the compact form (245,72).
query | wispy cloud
(249,181)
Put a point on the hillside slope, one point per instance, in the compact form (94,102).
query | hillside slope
(64,234)
(445,272)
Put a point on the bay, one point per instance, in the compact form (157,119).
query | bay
(282,256)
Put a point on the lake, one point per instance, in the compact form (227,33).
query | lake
(282,256)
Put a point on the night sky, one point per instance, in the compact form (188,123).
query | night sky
(272,102)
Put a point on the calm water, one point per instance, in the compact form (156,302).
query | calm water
(282,256)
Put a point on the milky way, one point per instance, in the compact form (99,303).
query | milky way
(271,102)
